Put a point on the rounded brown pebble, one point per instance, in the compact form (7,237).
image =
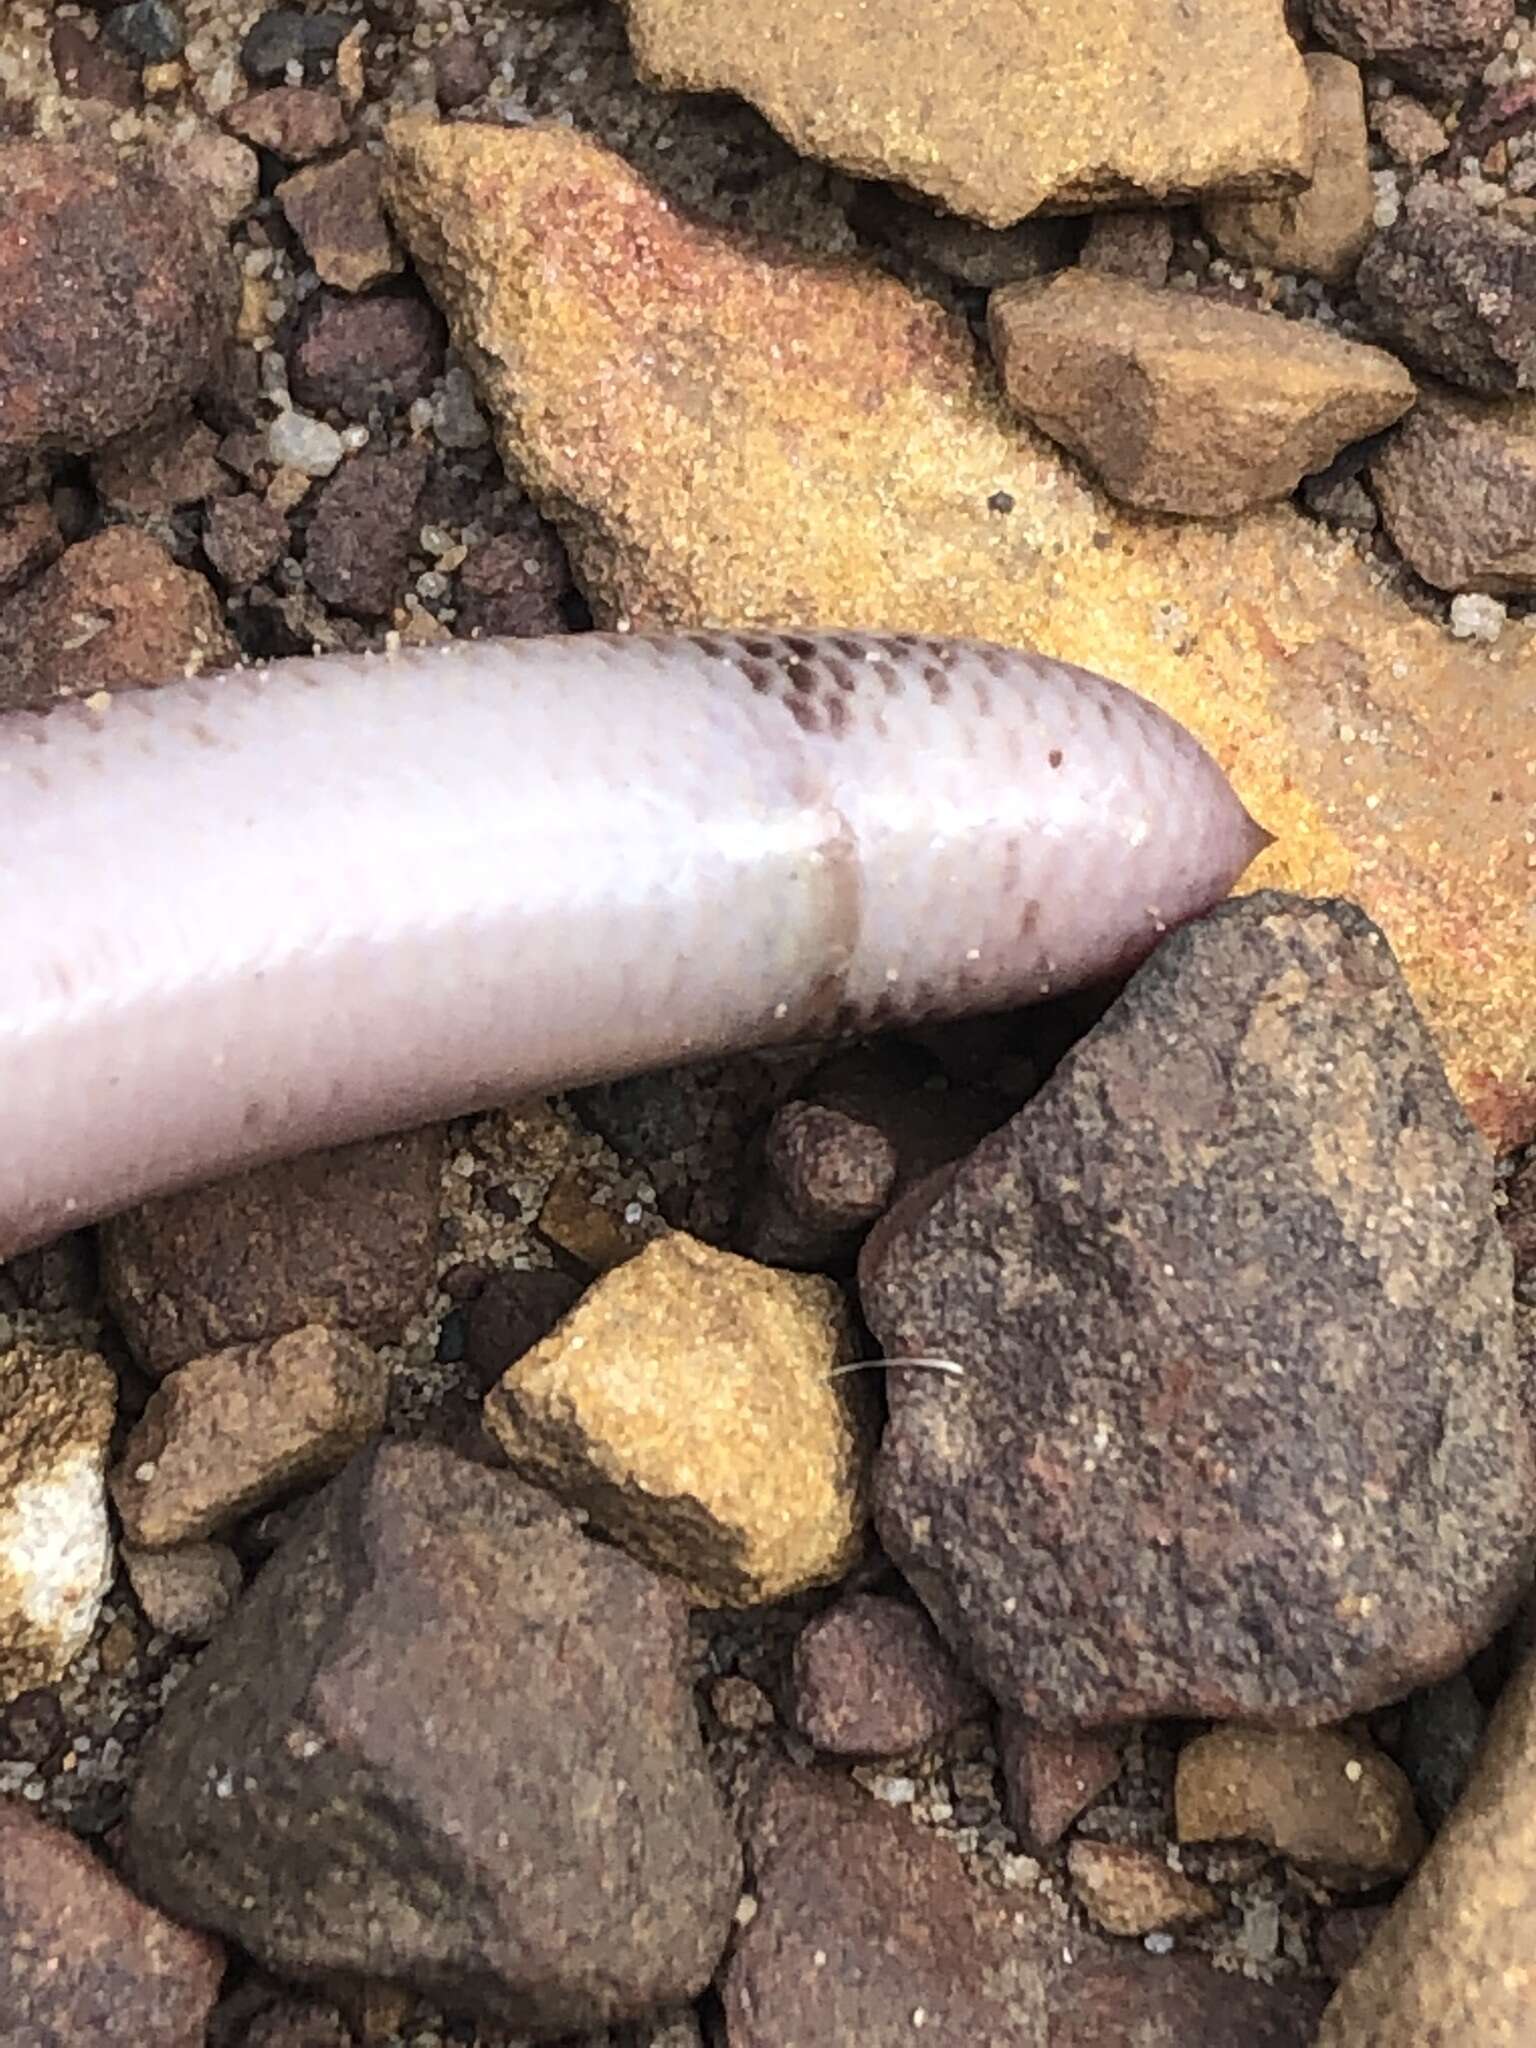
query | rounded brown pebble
(356,356)
(871,1678)
(510,587)
(116,298)
(463,70)
(834,1171)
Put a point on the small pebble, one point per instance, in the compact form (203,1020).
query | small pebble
(1475,616)
(151,31)
(295,441)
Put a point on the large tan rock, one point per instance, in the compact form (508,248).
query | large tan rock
(1323,229)
(56,1411)
(1455,1961)
(686,1404)
(1184,404)
(724,434)
(997,110)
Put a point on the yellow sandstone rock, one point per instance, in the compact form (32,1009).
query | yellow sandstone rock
(733,436)
(996,109)
(685,1404)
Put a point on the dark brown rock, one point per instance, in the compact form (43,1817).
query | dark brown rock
(158,471)
(1457,488)
(29,540)
(1455,290)
(447,1742)
(1344,1935)
(826,1177)
(511,1314)
(116,299)
(32,1726)
(965,250)
(871,1678)
(511,586)
(1442,1731)
(1238,1432)
(84,1960)
(1519,1220)
(365,526)
(1137,245)
(863,1921)
(345,1237)
(1128,2000)
(357,356)
(292,121)
(188,1592)
(244,538)
(464,72)
(1441,45)
(112,612)
(337,211)
(1050,1778)
(228,1433)
(87,69)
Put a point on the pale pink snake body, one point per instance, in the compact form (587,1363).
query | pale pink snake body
(277,909)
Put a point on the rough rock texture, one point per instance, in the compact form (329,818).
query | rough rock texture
(1049,1778)
(447,1742)
(1182,404)
(1441,45)
(636,366)
(1138,245)
(935,94)
(243,538)
(187,1592)
(113,611)
(1324,1800)
(1457,489)
(685,1405)
(1323,229)
(871,1678)
(826,1177)
(864,1922)
(358,355)
(291,121)
(29,541)
(56,1410)
(511,585)
(1239,1432)
(227,1433)
(1453,1961)
(364,529)
(159,469)
(346,1237)
(84,1961)
(334,210)
(115,300)
(1126,1889)
(1455,290)
(958,248)
(833,1875)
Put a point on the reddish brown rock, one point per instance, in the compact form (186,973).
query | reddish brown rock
(1134,245)
(1239,1431)
(364,530)
(1441,45)
(158,471)
(292,121)
(542,1847)
(243,538)
(88,69)
(86,1961)
(826,1177)
(186,1592)
(463,69)
(863,1921)
(871,1678)
(29,540)
(1454,289)
(512,585)
(1457,489)
(230,1432)
(112,612)
(1050,1778)
(345,1237)
(115,298)
(1133,2000)
(356,356)
(335,210)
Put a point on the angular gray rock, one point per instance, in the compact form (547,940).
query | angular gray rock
(447,1742)
(1239,1432)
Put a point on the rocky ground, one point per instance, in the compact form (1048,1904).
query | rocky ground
(448,1589)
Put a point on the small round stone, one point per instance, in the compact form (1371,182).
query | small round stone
(150,31)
